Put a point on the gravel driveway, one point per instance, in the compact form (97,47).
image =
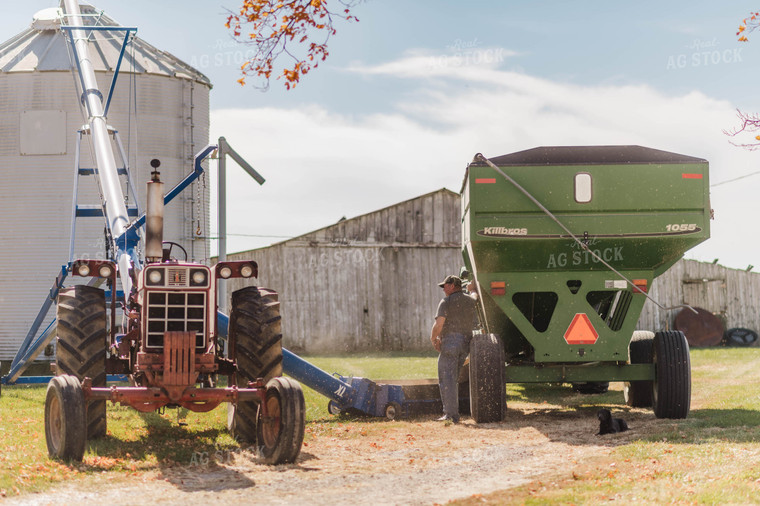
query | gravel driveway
(370,462)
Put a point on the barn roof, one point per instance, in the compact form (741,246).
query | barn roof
(405,229)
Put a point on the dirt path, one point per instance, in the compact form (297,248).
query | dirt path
(379,462)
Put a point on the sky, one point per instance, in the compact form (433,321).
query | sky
(413,90)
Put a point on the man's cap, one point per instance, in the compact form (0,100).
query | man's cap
(451,279)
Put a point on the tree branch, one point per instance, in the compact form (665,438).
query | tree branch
(287,28)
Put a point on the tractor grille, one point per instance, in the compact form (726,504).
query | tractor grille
(175,312)
(176,276)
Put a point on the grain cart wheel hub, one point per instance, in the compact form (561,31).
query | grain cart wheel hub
(581,331)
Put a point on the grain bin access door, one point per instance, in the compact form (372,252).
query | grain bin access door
(548,297)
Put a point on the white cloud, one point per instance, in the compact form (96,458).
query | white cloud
(322,165)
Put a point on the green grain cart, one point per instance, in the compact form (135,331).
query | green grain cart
(564,243)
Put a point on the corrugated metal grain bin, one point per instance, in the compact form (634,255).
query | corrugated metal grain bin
(167,118)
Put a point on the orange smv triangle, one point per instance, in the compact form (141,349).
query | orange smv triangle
(581,331)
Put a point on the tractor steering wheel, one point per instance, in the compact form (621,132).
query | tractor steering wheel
(168,251)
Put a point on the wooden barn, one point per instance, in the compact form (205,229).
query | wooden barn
(364,283)
(371,282)
(731,294)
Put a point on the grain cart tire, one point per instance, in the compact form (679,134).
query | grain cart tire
(82,344)
(280,433)
(638,394)
(488,393)
(591,387)
(255,342)
(671,392)
(65,418)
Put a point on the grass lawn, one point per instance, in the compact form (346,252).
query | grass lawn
(137,442)
(712,456)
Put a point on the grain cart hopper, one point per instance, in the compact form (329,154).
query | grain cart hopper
(564,243)
(169,345)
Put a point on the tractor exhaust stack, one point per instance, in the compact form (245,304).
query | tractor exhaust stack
(154,216)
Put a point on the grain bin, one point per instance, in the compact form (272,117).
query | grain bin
(160,107)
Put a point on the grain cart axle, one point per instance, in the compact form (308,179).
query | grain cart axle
(564,243)
(169,347)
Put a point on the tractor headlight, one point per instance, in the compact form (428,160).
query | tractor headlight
(83,270)
(105,271)
(246,271)
(198,277)
(156,277)
(225,272)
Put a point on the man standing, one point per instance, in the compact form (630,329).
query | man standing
(450,335)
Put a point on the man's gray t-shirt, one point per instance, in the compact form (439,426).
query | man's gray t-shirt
(460,312)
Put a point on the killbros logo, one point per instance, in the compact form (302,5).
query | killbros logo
(502,232)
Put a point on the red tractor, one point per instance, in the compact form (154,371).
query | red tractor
(170,349)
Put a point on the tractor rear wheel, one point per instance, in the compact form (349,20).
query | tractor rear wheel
(280,433)
(65,429)
(82,344)
(488,393)
(255,343)
(638,394)
(671,392)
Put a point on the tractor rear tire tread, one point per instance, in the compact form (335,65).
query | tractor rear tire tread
(81,345)
(255,340)
(255,331)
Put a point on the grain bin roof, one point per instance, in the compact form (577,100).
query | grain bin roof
(590,155)
(42,48)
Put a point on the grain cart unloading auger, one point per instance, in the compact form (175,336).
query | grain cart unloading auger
(169,349)
(564,243)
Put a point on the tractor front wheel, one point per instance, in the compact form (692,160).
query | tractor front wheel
(65,425)
(280,432)
(671,392)
(488,392)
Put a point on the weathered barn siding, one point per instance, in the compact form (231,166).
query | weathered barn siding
(732,294)
(371,282)
(366,283)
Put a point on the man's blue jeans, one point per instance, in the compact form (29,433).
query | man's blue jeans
(454,350)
